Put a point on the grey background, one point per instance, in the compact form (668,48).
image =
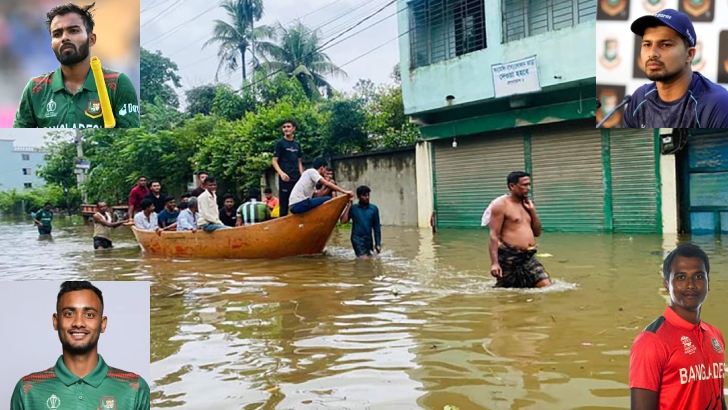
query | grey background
(29,343)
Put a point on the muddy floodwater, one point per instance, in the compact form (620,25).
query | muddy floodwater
(418,327)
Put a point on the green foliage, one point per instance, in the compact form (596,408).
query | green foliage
(157,72)
(60,160)
(346,126)
(386,123)
(199,99)
(230,105)
(11,202)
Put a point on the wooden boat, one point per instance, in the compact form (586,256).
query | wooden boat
(291,235)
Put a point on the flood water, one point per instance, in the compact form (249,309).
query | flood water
(418,327)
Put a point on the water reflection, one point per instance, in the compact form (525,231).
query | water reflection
(419,327)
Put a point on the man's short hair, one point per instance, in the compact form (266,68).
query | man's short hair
(183,205)
(202,172)
(362,190)
(319,162)
(268,190)
(186,195)
(84,12)
(169,199)
(75,285)
(289,121)
(155,181)
(192,202)
(516,176)
(254,193)
(686,250)
(48,203)
(141,176)
(210,180)
(99,202)
(228,196)
(146,202)
(684,39)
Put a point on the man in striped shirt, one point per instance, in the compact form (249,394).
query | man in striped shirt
(252,211)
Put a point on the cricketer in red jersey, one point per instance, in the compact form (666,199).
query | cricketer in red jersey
(678,361)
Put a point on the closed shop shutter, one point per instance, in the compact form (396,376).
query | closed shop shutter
(708,182)
(468,177)
(568,185)
(634,186)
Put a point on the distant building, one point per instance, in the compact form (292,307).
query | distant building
(19,166)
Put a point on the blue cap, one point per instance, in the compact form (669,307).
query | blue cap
(668,17)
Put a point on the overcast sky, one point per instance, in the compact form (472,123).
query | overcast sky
(180,32)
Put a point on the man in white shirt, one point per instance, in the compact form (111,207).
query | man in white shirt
(209,219)
(301,196)
(146,220)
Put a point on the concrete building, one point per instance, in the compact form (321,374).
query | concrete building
(18,166)
(505,85)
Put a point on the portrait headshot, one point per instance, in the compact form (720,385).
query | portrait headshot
(69,64)
(86,345)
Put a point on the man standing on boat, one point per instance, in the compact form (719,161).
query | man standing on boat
(678,361)
(209,219)
(287,163)
(201,176)
(136,195)
(514,226)
(364,218)
(302,194)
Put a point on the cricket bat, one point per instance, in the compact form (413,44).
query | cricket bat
(109,120)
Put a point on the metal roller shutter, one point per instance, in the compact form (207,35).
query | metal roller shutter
(708,182)
(468,177)
(568,187)
(634,187)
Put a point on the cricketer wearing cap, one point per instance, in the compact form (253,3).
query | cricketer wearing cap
(80,379)
(68,97)
(678,97)
(678,361)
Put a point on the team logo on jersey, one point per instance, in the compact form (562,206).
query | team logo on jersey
(51,109)
(613,7)
(93,109)
(610,58)
(716,346)
(653,6)
(696,7)
(108,403)
(698,61)
(609,99)
(688,344)
(53,402)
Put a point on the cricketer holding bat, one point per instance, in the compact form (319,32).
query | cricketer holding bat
(68,97)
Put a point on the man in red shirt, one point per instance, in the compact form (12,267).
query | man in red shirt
(136,195)
(678,361)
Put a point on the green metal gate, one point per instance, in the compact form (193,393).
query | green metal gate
(634,186)
(568,183)
(707,182)
(468,177)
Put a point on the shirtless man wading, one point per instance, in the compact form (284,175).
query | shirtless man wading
(514,226)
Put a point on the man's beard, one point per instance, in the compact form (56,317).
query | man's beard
(79,349)
(663,75)
(78,54)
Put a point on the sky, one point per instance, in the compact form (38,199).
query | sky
(180,33)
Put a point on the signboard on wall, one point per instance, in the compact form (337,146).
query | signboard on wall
(515,77)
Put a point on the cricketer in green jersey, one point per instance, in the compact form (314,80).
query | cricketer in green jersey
(80,379)
(68,97)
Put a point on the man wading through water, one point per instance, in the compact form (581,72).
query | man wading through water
(514,226)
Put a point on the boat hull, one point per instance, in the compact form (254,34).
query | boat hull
(292,235)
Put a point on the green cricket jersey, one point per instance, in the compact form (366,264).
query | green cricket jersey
(104,388)
(44,217)
(46,103)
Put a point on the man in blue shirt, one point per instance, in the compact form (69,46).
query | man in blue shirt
(167,219)
(365,220)
(677,98)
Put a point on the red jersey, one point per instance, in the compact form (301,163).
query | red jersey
(272,202)
(135,197)
(681,361)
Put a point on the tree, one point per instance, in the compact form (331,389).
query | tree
(60,161)
(237,37)
(346,131)
(299,55)
(157,74)
(199,99)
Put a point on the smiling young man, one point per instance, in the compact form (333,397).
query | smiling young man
(677,97)
(68,97)
(80,379)
(678,361)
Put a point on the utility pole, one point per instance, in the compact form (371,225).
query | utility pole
(81,165)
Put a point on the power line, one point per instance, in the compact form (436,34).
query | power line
(162,12)
(312,12)
(154,5)
(172,30)
(360,22)
(338,27)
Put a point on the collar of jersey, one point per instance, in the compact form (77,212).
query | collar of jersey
(676,320)
(57,81)
(97,375)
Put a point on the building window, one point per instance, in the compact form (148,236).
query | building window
(444,29)
(27,171)
(526,18)
(26,157)
(28,185)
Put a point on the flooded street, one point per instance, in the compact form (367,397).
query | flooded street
(418,327)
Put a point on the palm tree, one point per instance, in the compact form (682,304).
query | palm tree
(237,37)
(299,54)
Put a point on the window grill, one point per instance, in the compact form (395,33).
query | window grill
(526,18)
(444,29)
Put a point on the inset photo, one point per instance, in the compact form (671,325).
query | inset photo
(76,344)
(670,58)
(69,64)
